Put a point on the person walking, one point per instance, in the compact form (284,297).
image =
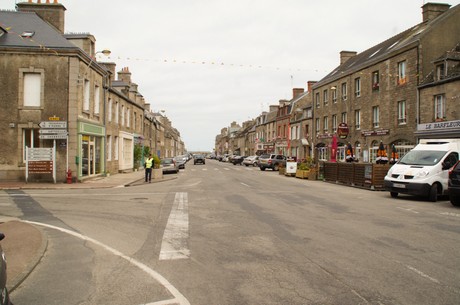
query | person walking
(148,168)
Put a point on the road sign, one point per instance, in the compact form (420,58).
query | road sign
(53,124)
(52,131)
(53,136)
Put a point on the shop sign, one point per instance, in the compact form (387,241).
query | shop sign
(448,125)
(343,130)
(380,132)
(324,136)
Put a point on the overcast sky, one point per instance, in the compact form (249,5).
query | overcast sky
(207,63)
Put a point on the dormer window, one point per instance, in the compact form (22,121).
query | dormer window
(440,72)
(27,34)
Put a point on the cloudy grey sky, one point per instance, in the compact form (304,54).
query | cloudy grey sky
(210,62)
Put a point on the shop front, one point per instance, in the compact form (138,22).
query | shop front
(90,160)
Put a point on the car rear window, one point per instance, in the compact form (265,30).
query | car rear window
(265,156)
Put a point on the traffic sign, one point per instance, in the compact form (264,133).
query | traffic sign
(52,131)
(59,136)
(53,124)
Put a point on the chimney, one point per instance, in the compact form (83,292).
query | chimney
(432,10)
(346,55)
(124,75)
(310,84)
(53,13)
(296,92)
(110,66)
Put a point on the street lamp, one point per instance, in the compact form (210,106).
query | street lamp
(105,52)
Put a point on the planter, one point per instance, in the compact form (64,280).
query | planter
(302,173)
(282,170)
(312,174)
(157,173)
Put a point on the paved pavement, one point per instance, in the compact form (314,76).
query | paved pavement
(26,244)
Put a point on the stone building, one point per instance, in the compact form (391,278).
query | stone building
(375,92)
(57,96)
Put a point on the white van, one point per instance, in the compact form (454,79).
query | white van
(424,170)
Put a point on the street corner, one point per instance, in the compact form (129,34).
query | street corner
(24,246)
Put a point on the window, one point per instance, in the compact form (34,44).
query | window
(440,72)
(96,100)
(334,94)
(325,124)
(357,119)
(344,91)
(109,148)
(440,107)
(115,149)
(334,123)
(317,128)
(325,98)
(309,113)
(30,138)
(109,110)
(86,96)
(402,112)
(117,112)
(134,120)
(376,116)
(32,90)
(122,115)
(375,80)
(402,73)
(128,116)
(317,100)
(323,153)
(358,87)
(344,117)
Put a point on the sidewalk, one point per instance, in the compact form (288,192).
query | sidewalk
(25,244)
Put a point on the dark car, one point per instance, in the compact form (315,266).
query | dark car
(272,161)
(198,159)
(454,184)
(180,161)
(237,160)
(4,298)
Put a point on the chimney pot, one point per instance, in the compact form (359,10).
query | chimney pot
(431,11)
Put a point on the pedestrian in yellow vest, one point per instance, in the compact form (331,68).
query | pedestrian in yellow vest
(148,168)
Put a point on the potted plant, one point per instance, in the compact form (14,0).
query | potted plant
(157,172)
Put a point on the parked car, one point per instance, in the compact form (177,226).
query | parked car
(198,158)
(454,185)
(251,160)
(237,160)
(4,297)
(272,161)
(168,165)
(180,161)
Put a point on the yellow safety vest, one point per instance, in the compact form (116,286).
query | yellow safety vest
(149,163)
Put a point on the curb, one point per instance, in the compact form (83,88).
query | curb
(16,281)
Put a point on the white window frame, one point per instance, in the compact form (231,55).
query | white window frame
(325,97)
(128,117)
(376,116)
(402,118)
(317,100)
(109,147)
(325,124)
(97,99)
(317,126)
(440,106)
(402,72)
(122,115)
(344,91)
(334,123)
(117,112)
(358,86)
(358,119)
(345,118)
(109,110)
(33,134)
(115,148)
(86,95)
(32,90)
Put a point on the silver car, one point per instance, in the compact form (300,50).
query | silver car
(168,165)
(251,160)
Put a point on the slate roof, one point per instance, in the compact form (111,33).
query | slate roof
(45,35)
(383,50)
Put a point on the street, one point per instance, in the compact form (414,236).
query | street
(225,234)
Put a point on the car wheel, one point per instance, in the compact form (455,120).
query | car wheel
(276,167)
(394,194)
(455,201)
(433,195)
(255,164)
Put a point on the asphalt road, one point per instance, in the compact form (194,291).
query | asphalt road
(225,234)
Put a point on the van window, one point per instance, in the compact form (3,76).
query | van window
(422,157)
(451,159)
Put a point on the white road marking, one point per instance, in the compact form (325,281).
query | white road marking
(175,237)
(244,184)
(450,214)
(422,274)
(227,169)
(409,210)
(178,297)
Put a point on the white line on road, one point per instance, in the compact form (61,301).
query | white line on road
(450,214)
(227,169)
(409,210)
(178,297)
(422,274)
(175,237)
(245,184)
